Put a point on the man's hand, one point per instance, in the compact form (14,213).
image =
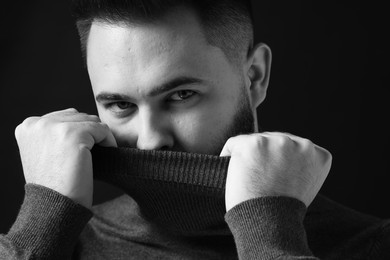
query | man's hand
(274,164)
(55,151)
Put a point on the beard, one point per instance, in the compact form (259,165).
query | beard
(243,122)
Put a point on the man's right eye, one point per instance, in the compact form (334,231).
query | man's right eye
(120,107)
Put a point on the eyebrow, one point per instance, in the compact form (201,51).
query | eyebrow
(170,85)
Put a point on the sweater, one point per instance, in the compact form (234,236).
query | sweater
(173,208)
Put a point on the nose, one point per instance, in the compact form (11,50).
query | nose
(154,131)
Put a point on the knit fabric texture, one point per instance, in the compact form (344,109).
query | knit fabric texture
(184,192)
(174,209)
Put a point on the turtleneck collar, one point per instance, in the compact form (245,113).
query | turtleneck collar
(182,192)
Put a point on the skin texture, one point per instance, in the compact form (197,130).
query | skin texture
(133,61)
(55,151)
(129,65)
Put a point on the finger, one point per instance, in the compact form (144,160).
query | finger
(25,124)
(280,134)
(306,143)
(294,138)
(71,115)
(100,133)
(325,155)
(228,147)
(109,141)
(68,111)
(236,142)
(80,117)
(30,120)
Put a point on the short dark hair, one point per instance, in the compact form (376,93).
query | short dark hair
(227,24)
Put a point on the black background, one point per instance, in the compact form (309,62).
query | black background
(329,83)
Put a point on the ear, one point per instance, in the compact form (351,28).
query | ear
(258,71)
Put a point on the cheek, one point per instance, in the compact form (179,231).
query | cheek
(199,131)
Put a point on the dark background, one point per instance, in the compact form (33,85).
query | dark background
(329,83)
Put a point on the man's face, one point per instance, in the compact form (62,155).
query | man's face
(161,86)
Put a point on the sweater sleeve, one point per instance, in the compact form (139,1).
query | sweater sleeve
(269,228)
(47,226)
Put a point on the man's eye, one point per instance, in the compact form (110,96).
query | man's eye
(182,95)
(121,105)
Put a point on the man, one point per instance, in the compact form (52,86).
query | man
(181,82)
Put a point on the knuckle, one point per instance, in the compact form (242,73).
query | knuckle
(236,142)
(255,143)
(325,155)
(307,144)
(29,121)
(22,127)
(234,138)
(260,140)
(282,140)
(328,156)
(43,123)
(230,141)
(72,109)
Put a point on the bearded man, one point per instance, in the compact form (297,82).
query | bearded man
(177,85)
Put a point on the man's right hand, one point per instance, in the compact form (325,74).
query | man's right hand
(55,151)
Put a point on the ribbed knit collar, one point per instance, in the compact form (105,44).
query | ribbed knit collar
(182,192)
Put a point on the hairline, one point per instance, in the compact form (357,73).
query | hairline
(235,60)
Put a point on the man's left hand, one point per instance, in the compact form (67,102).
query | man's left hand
(274,164)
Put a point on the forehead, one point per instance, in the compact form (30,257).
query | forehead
(178,31)
(173,31)
(151,52)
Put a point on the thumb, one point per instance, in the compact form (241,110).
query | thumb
(109,139)
(227,148)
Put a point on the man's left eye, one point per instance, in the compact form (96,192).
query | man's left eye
(182,95)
